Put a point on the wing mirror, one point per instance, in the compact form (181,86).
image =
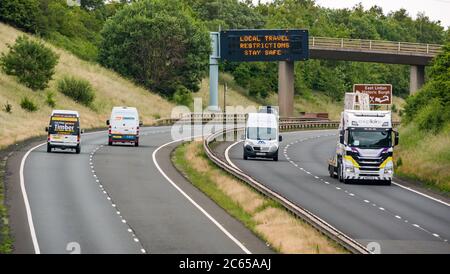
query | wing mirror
(107,122)
(141,123)
(82,131)
(46,129)
(280,138)
(341,137)
(396,138)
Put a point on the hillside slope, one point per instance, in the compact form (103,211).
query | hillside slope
(111,90)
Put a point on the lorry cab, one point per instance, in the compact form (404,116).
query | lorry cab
(365,146)
(124,126)
(261,136)
(64,131)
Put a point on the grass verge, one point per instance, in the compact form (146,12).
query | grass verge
(266,218)
(425,157)
(5,237)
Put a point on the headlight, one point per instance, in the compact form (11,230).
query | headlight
(247,143)
(388,170)
(273,148)
(350,169)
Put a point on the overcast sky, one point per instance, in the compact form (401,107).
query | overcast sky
(434,9)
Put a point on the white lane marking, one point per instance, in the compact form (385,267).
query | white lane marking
(420,193)
(228,234)
(381,208)
(227,157)
(25,200)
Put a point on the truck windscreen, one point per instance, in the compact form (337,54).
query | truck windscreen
(261,133)
(364,138)
(64,125)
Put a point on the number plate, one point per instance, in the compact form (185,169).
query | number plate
(260,153)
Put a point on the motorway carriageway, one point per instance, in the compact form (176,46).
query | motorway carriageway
(393,218)
(119,199)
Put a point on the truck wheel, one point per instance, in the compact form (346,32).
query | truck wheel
(387,182)
(109,143)
(78,150)
(340,172)
(136,144)
(331,171)
(245,156)
(49,148)
(275,158)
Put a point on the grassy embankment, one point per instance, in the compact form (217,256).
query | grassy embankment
(111,90)
(266,218)
(425,157)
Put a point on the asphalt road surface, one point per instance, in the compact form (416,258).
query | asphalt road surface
(391,218)
(116,200)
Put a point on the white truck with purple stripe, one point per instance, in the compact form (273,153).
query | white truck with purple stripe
(365,147)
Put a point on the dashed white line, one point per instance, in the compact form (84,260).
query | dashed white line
(212,219)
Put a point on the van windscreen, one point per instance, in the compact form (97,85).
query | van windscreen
(261,133)
(64,124)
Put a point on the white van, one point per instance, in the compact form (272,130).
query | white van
(261,136)
(124,126)
(64,130)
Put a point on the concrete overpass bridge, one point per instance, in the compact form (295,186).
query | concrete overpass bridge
(416,55)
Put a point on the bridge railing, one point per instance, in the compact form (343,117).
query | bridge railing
(373,45)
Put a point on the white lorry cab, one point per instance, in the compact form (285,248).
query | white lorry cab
(64,131)
(262,137)
(365,147)
(124,126)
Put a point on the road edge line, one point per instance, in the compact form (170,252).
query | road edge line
(25,199)
(214,221)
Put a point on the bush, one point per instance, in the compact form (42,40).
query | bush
(182,96)
(79,90)
(50,100)
(157,43)
(31,62)
(28,104)
(431,117)
(7,107)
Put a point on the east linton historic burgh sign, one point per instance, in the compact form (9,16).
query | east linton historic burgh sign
(264,45)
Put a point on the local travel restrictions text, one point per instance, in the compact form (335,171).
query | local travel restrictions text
(270,45)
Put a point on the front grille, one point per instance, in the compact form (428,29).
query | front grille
(369,166)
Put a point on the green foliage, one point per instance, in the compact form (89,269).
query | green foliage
(182,96)
(23,14)
(50,99)
(431,116)
(430,106)
(79,90)
(28,104)
(335,78)
(158,44)
(76,29)
(91,4)
(30,61)
(247,74)
(228,14)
